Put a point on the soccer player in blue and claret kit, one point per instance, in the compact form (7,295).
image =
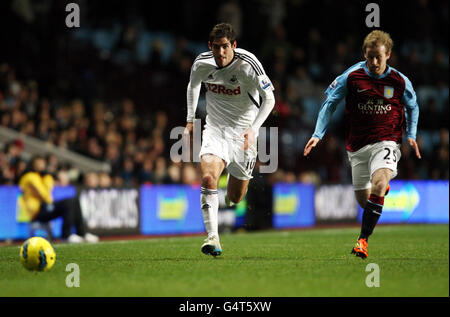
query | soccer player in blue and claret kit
(378,101)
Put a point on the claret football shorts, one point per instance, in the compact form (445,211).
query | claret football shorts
(367,160)
(227,145)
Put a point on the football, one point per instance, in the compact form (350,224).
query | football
(37,254)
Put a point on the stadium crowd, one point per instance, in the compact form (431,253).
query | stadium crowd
(113,89)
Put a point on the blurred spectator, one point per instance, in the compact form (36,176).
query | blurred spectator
(97,102)
(19,169)
(7,176)
(145,174)
(113,156)
(290,177)
(230,12)
(332,159)
(62,178)
(104,180)
(91,180)
(439,170)
(174,173)
(127,173)
(13,151)
(52,164)
(37,203)
(309,177)
(189,175)
(407,170)
(429,114)
(301,83)
(161,175)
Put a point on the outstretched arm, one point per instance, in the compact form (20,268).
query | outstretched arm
(335,93)
(193,93)
(409,99)
(258,78)
(264,111)
(415,147)
(193,90)
(310,145)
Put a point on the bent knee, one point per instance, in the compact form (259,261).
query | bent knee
(379,187)
(235,197)
(209,181)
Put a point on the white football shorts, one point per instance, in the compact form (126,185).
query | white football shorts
(368,159)
(228,146)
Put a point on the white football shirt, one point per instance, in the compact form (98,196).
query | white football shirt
(234,93)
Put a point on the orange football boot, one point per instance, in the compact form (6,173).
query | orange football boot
(360,248)
(387,190)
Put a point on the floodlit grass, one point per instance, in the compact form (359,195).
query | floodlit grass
(413,260)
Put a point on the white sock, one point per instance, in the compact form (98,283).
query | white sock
(222,203)
(209,202)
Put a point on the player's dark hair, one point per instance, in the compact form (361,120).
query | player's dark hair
(222,30)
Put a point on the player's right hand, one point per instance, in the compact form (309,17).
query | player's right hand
(189,130)
(414,145)
(310,145)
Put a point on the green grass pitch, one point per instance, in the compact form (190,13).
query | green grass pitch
(413,260)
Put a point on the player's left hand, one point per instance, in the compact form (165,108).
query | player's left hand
(414,145)
(249,138)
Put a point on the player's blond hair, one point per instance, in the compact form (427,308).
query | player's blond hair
(376,38)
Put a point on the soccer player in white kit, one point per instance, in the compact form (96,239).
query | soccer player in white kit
(239,98)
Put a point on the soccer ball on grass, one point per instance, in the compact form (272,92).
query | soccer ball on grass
(37,254)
